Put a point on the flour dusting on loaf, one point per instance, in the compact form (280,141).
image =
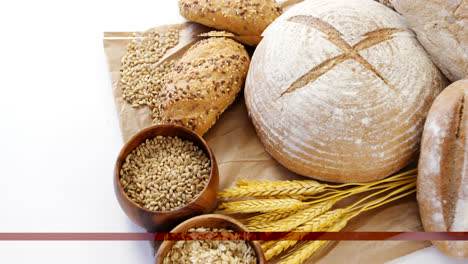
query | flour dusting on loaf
(461,215)
(442,28)
(442,187)
(338,90)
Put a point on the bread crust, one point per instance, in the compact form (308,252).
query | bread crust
(338,90)
(441,27)
(442,188)
(204,83)
(246,18)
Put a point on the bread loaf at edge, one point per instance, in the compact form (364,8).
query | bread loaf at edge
(442,28)
(246,18)
(204,83)
(442,188)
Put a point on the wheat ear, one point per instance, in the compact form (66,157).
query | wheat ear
(310,248)
(274,189)
(261,205)
(292,196)
(296,189)
(388,179)
(295,220)
(270,217)
(318,224)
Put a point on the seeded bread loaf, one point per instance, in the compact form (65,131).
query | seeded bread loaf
(338,90)
(442,28)
(245,18)
(442,188)
(204,83)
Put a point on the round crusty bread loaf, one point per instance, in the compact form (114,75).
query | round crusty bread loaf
(441,27)
(338,90)
(204,82)
(442,188)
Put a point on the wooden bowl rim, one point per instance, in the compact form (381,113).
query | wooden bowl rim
(146,130)
(187,224)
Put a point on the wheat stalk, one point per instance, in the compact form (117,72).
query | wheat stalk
(299,189)
(284,209)
(322,221)
(270,217)
(318,224)
(261,205)
(268,246)
(274,189)
(409,185)
(292,196)
(295,220)
(310,248)
(410,173)
(262,221)
(383,184)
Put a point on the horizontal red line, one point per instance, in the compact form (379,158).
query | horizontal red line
(265,236)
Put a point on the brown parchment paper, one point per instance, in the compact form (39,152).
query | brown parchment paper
(241,155)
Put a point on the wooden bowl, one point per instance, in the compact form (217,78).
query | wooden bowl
(163,221)
(209,221)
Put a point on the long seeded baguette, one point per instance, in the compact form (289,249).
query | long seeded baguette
(204,83)
(245,18)
(443,168)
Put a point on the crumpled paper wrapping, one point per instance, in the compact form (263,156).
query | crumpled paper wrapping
(241,155)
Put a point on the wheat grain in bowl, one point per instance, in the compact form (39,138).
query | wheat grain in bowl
(216,251)
(165,173)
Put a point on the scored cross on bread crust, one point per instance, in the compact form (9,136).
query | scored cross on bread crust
(349,52)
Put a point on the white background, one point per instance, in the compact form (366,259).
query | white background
(59,129)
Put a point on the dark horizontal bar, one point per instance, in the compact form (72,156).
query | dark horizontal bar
(265,236)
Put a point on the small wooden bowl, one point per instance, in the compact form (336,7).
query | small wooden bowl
(163,221)
(209,221)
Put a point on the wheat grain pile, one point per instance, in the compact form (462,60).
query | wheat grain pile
(165,173)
